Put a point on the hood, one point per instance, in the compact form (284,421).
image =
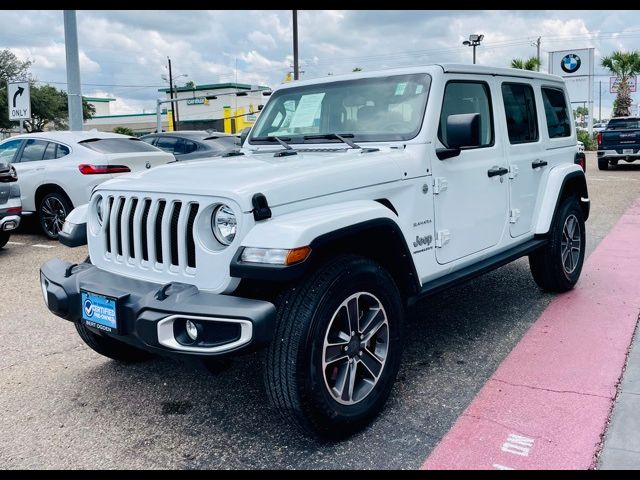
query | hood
(281,179)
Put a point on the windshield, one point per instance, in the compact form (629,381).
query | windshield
(370,109)
(623,124)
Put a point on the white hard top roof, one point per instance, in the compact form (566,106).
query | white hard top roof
(433,68)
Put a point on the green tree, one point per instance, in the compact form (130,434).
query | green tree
(624,65)
(11,68)
(49,107)
(190,84)
(580,112)
(531,63)
(124,131)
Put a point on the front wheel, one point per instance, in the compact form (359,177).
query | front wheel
(111,348)
(337,347)
(52,212)
(556,267)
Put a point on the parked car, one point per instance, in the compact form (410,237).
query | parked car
(10,207)
(193,144)
(599,127)
(580,146)
(619,141)
(58,170)
(352,198)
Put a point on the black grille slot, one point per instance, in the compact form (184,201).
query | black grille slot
(143,230)
(191,246)
(161,206)
(120,207)
(132,247)
(106,219)
(175,216)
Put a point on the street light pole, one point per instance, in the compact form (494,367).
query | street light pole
(474,41)
(74,95)
(296,71)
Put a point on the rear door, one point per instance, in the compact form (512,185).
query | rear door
(523,148)
(471,197)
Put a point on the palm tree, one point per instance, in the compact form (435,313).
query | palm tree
(531,63)
(624,65)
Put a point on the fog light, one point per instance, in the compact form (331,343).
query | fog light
(192,330)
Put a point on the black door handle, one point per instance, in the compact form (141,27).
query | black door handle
(538,164)
(492,172)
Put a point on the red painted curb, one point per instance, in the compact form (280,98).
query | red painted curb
(547,404)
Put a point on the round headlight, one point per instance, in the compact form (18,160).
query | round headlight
(99,208)
(224,224)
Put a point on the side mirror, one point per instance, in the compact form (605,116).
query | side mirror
(244,134)
(463,130)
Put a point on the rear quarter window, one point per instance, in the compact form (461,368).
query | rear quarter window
(117,145)
(556,113)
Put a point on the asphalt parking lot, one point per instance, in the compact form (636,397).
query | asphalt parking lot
(63,406)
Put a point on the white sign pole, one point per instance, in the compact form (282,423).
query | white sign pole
(591,62)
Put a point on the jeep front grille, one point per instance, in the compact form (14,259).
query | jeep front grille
(160,232)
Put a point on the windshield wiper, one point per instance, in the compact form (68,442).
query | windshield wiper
(273,138)
(344,138)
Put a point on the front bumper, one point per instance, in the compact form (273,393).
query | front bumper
(152,316)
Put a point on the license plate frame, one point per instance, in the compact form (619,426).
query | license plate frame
(99,311)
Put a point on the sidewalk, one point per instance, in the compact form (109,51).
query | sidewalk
(621,449)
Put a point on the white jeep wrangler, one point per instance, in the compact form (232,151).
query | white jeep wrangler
(351,198)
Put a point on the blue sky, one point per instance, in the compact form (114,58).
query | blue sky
(124,53)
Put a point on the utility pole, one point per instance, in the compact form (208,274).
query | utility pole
(296,72)
(538,41)
(74,94)
(173,110)
(600,101)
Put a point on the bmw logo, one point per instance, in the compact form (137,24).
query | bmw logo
(570,63)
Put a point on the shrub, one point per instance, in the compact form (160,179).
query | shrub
(588,140)
(124,131)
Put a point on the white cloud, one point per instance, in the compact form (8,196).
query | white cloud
(262,40)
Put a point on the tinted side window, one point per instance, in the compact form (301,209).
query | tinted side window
(50,151)
(557,113)
(189,146)
(167,144)
(117,145)
(33,150)
(467,97)
(62,151)
(149,140)
(8,151)
(520,110)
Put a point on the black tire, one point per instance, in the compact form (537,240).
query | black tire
(111,348)
(603,164)
(4,238)
(547,264)
(51,221)
(294,376)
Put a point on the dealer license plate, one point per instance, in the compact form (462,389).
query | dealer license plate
(99,311)
(628,151)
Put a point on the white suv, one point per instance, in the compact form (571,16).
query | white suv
(352,198)
(58,170)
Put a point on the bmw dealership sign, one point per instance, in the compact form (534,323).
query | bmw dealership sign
(576,66)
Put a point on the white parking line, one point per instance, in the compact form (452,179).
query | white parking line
(39,245)
(15,243)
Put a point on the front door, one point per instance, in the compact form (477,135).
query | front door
(471,189)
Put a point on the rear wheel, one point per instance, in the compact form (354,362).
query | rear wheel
(4,238)
(603,164)
(111,348)
(337,347)
(556,267)
(52,212)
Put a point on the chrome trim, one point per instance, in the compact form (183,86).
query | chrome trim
(10,218)
(167,339)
